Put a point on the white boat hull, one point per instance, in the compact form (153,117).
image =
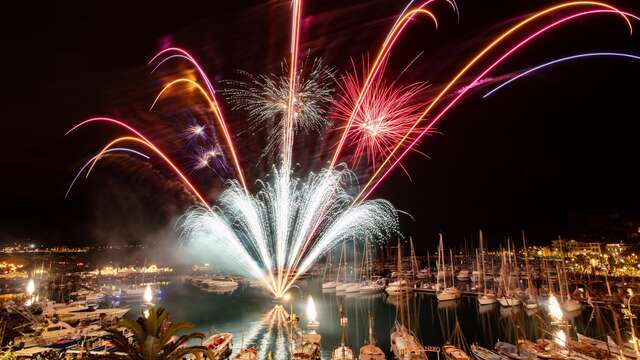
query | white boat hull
(329,285)
(486,300)
(507,302)
(448,295)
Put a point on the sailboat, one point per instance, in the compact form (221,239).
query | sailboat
(404,344)
(453,348)
(370,351)
(569,305)
(532,299)
(354,286)
(401,285)
(329,284)
(370,286)
(447,293)
(507,299)
(342,285)
(487,297)
(342,352)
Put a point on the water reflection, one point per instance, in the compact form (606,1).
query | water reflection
(255,320)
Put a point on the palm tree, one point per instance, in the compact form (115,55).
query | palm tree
(152,342)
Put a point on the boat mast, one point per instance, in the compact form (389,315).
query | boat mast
(546,270)
(414,261)
(327,265)
(493,276)
(453,281)
(340,263)
(515,262)
(526,264)
(365,262)
(399,264)
(559,276)
(484,278)
(355,261)
(441,261)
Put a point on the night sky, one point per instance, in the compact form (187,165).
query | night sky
(554,154)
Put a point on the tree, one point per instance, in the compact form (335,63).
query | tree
(152,341)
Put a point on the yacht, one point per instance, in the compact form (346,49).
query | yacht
(221,283)
(446,293)
(488,297)
(400,285)
(463,275)
(370,351)
(454,353)
(54,334)
(482,353)
(532,299)
(508,301)
(405,346)
(76,312)
(372,287)
(342,352)
(329,285)
(220,345)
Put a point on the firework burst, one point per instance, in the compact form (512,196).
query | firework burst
(264,98)
(277,233)
(386,112)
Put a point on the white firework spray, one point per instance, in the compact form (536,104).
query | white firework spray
(264,99)
(245,236)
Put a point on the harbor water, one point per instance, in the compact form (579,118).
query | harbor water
(255,319)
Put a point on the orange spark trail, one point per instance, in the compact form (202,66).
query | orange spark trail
(215,106)
(470,64)
(218,115)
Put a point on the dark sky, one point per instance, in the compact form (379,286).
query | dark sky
(553,154)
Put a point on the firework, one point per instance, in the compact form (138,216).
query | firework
(265,98)
(277,233)
(242,227)
(195,131)
(557,61)
(91,161)
(386,112)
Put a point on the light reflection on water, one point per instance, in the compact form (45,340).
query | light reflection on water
(255,319)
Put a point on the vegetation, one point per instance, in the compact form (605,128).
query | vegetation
(154,337)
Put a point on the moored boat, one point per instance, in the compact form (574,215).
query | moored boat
(508,301)
(57,334)
(448,294)
(513,352)
(247,354)
(219,345)
(454,353)
(405,346)
(482,353)
(370,351)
